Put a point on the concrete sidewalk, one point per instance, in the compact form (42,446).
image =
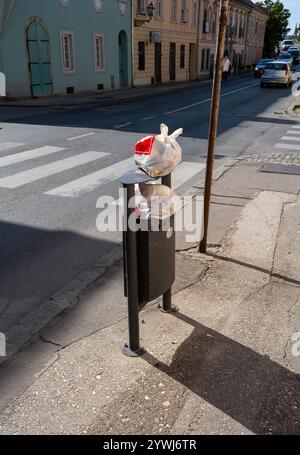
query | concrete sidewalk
(225,364)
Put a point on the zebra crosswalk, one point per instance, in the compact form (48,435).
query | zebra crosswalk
(36,170)
(291,140)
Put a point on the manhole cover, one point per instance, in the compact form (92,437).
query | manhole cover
(281,169)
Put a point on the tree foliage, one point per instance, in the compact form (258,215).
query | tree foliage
(277,25)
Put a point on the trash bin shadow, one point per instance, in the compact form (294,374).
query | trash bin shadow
(252,389)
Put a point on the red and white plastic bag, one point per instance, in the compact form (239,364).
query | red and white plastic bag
(159,155)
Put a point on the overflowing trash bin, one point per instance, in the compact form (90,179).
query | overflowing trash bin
(149,235)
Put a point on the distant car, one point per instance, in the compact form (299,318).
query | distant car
(261,66)
(277,73)
(286,57)
(295,53)
(286,44)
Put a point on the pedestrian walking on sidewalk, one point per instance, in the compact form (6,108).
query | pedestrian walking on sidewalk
(225,67)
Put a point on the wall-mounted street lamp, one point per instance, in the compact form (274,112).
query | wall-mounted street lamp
(150,13)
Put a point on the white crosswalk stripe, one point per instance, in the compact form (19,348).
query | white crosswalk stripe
(290,138)
(288,146)
(9,145)
(31,175)
(93,181)
(184,172)
(293,132)
(296,127)
(28,155)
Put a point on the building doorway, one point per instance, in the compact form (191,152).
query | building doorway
(39,60)
(193,63)
(123,59)
(172,60)
(157,63)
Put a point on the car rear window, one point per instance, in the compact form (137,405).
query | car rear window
(276,66)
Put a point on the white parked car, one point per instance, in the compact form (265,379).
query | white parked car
(286,44)
(277,73)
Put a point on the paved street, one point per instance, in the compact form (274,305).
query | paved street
(56,163)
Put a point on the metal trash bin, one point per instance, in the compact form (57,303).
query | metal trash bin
(156,259)
(149,262)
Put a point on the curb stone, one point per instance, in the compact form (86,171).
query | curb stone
(60,301)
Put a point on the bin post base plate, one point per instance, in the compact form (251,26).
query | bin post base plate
(173,309)
(129,353)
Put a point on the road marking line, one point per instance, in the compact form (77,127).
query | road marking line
(93,181)
(123,125)
(28,155)
(148,118)
(79,137)
(209,99)
(288,146)
(187,107)
(290,138)
(8,145)
(293,132)
(31,175)
(296,127)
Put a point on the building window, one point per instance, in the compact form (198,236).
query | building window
(174,10)
(182,56)
(184,12)
(203,60)
(141,6)
(195,17)
(159,8)
(205,21)
(67,52)
(215,20)
(141,51)
(99,51)
(207,59)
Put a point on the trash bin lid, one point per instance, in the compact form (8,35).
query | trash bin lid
(134,177)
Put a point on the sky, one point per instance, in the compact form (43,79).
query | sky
(294,7)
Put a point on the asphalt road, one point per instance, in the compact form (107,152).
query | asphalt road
(48,213)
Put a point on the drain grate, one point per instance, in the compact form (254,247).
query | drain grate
(281,169)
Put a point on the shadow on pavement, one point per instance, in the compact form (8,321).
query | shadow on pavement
(35,263)
(255,391)
(255,267)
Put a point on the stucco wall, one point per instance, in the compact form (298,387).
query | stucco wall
(173,31)
(81,18)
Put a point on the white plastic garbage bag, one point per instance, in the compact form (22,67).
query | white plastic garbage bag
(157,201)
(159,155)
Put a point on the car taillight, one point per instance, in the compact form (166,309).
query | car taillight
(286,69)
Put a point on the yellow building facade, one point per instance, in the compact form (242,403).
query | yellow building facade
(165,49)
(179,42)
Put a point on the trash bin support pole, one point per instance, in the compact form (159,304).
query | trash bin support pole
(167,297)
(133,349)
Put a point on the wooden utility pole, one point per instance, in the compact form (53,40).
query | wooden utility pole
(214,115)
